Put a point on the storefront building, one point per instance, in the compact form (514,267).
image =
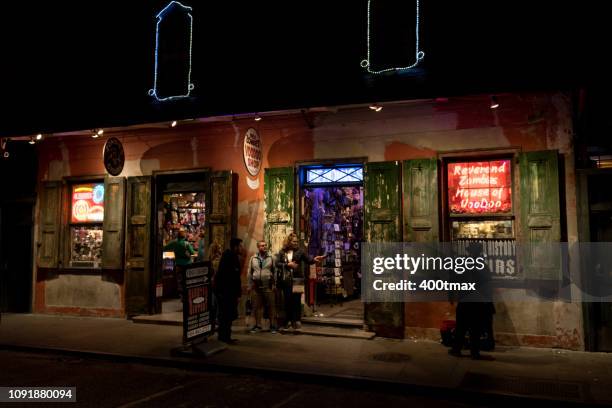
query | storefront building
(419,171)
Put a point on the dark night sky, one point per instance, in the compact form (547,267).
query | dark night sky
(81,65)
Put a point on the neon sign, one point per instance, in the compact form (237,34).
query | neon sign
(480,187)
(88,203)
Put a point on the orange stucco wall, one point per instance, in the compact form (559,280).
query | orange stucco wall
(401,131)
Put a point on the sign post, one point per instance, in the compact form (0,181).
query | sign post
(197,317)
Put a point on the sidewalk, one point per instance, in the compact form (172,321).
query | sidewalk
(530,372)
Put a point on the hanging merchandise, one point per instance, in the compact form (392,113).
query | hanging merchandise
(180,211)
(330,215)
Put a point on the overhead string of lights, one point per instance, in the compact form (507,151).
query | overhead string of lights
(367,63)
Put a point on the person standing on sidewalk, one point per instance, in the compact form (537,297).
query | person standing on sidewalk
(262,285)
(182,257)
(228,289)
(291,279)
(475,309)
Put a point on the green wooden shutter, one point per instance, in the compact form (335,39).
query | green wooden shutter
(220,203)
(540,213)
(420,182)
(279,191)
(114,215)
(382,224)
(50,198)
(137,279)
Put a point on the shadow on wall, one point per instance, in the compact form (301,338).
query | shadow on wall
(177,154)
(292,147)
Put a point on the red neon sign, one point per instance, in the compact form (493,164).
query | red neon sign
(88,203)
(480,187)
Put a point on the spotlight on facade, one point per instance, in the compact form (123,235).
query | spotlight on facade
(257,117)
(39,136)
(94,134)
(32,140)
(100,132)
(376,107)
(494,102)
(173,123)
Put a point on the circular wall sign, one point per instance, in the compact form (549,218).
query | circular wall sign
(114,158)
(252,152)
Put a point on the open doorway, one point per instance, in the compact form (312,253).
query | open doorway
(331,224)
(181,205)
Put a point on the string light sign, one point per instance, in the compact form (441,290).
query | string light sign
(480,187)
(173,44)
(252,152)
(393,37)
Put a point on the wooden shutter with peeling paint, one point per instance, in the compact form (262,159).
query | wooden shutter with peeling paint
(220,206)
(114,215)
(420,207)
(279,190)
(540,213)
(382,224)
(50,198)
(137,278)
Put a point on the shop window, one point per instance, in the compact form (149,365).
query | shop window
(481,210)
(333,174)
(85,229)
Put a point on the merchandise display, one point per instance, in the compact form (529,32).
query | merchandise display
(183,210)
(179,211)
(332,225)
(86,246)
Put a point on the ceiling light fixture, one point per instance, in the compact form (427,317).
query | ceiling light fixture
(39,136)
(173,123)
(257,117)
(494,102)
(32,141)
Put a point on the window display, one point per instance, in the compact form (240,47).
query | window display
(86,246)
(483,229)
(479,192)
(86,234)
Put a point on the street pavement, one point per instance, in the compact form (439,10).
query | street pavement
(112,384)
(546,376)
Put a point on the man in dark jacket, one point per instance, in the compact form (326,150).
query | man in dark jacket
(475,309)
(228,288)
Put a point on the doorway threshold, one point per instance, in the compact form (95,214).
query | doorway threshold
(169,319)
(330,331)
(333,322)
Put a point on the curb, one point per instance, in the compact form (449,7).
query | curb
(345,381)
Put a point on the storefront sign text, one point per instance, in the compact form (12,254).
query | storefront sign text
(480,187)
(252,151)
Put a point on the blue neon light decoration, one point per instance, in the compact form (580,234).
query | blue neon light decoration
(160,16)
(326,175)
(419,55)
